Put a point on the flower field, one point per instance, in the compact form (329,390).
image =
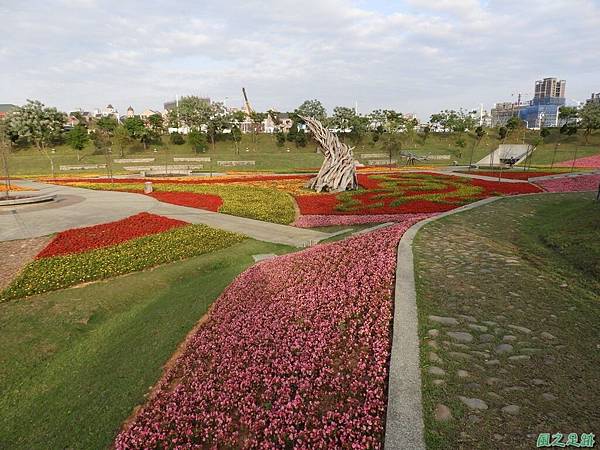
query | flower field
(260,202)
(588,161)
(79,240)
(512,175)
(294,354)
(333,219)
(571,183)
(57,272)
(408,193)
(271,198)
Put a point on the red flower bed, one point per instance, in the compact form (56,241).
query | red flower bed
(79,240)
(439,198)
(497,187)
(190,199)
(215,180)
(521,175)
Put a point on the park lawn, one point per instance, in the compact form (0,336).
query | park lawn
(75,363)
(530,262)
(289,158)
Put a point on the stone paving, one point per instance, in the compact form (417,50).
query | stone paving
(500,351)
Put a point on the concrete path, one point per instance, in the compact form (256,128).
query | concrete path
(77,207)
(404,422)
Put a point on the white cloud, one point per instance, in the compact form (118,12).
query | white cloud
(414,55)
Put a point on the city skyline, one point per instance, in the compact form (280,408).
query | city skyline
(411,56)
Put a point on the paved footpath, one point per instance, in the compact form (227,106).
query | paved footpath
(77,207)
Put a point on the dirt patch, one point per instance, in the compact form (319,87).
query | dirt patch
(17,254)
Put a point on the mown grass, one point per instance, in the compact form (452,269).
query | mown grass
(531,262)
(289,158)
(74,363)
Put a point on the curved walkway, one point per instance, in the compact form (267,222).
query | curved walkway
(404,422)
(77,207)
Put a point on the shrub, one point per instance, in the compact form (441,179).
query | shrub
(176,138)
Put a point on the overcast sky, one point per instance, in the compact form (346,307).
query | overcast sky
(411,55)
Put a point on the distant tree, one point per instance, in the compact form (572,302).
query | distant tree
(137,129)
(567,114)
(452,120)
(460,145)
(392,144)
(425,133)
(156,124)
(78,138)
(107,124)
(121,139)
(502,133)
(176,138)
(280,139)
(479,133)
(216,122)
(300,139)
(568,129)
(193,111)
(513,124)
(236,137)
(198,141)
(590,119)
(256,118)
(5,145)
(312,108)
(37,123)
(293,131)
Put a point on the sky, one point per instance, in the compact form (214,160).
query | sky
(414,56)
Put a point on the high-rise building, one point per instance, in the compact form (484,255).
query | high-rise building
(542,110)
(595,98)
(502,112)
(550,87)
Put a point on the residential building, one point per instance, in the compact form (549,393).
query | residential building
(542,110)
(502,112)
(595,98)
(550,87)
(130,112)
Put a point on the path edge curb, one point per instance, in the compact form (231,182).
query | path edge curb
(404,418)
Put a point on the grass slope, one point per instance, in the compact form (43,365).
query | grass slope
(528,262)
(74,363)
(266,154)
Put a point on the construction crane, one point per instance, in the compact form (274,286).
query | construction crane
(247,108)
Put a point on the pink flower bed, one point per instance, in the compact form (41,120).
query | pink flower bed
(294,354)
(310,221)
(571,183)
(588,161)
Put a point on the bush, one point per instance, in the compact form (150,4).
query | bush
(176,138)
(280,139)
(198,141)
(301,139)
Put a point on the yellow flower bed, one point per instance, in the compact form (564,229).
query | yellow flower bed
(49,274)
(14,188)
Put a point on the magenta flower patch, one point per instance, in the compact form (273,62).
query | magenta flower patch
(571,183)
(294,354)
(310,221)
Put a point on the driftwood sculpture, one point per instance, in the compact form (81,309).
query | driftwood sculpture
(337,172)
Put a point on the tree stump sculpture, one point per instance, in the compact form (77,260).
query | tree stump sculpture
(337,172)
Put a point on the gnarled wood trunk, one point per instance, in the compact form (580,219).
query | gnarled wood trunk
(338,172)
